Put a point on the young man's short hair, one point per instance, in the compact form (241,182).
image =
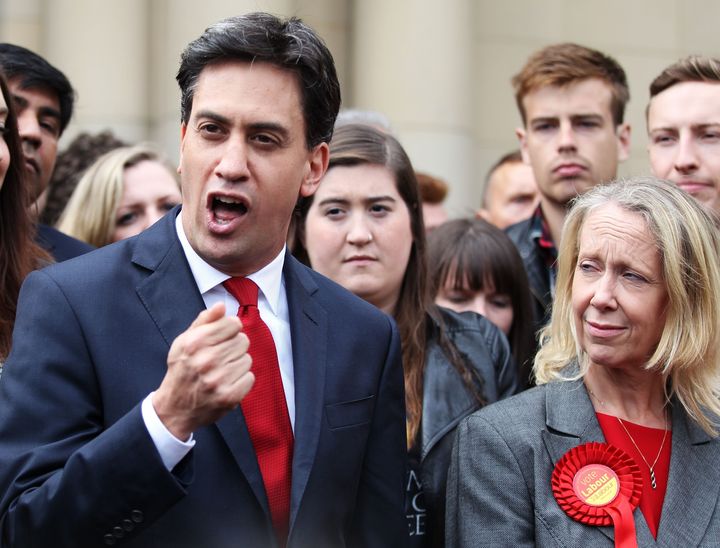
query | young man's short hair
(514,157)
(695,68)
(563,64)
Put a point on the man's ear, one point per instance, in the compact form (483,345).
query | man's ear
(316,168)
(623,135)
(521,134)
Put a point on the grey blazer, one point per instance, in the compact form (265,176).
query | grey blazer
(499,490)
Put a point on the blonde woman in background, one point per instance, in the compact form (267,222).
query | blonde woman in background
(120,195)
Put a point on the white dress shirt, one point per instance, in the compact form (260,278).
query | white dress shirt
(273,308)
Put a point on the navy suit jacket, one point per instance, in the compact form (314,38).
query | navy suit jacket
(61,246)
(78,467)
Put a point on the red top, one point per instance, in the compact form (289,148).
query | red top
(649,441)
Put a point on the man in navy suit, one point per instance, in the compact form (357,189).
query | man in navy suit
(120,415)
(44,99)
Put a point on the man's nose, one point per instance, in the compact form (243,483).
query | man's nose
(30,131)
(233,165)
(686,159)
(566,137)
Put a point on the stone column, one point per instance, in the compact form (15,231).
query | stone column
(20,23)
(413,62)
(102,47)
(331,20)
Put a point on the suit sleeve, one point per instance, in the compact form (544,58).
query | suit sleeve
(66,477)
(488,501)
(379,517)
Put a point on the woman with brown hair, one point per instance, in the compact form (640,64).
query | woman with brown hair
(363,228)
(474,266)
(19,254)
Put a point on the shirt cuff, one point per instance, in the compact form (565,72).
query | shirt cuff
(171,449)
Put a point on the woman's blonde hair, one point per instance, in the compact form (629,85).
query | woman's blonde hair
(90,212)
(687,355)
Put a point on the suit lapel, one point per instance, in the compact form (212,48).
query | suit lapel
(693,483)
(171,297)
(308,328)
(235,433)
(571,421)
(169,292)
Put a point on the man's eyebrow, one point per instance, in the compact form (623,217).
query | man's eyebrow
(270,126)
(49,111)
(550,118)
(212,115)
(21,102)
(255,126)
(705,126)
(586,115)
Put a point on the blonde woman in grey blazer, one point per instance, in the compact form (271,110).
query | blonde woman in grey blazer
(632,347)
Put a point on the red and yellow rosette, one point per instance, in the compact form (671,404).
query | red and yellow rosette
(599,484)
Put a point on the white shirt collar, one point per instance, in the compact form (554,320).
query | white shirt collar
(268,279)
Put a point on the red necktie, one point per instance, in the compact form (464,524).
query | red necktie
(265,408)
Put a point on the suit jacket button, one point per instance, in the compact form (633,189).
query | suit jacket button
(118,532)
(137,516)
(128,525)
(109,540)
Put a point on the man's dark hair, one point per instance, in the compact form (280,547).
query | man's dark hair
(35,72)
(261,37)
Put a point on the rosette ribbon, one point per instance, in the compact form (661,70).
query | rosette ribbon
(599,484)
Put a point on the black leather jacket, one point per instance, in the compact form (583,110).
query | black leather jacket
(538,272)
(446,401)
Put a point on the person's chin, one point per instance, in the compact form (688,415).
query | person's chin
(362,285)
(579,185)
(221,251)
(564,190)
(707,197)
